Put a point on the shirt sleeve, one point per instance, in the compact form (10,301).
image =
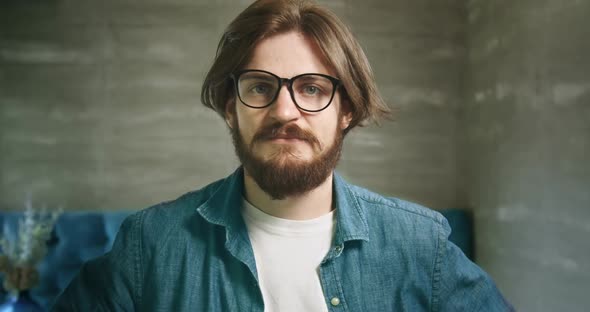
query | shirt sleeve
(461,285)
(110,282)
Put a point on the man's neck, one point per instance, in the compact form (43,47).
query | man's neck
(310,205)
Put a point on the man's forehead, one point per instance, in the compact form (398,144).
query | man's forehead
(287,55)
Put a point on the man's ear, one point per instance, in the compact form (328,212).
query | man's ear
(230,112)
(345,116)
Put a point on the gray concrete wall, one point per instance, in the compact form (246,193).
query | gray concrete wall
(100,101)
(525,148)
(417,50)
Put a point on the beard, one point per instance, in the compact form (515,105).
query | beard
(283,174)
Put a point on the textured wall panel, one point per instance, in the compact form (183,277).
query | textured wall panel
(526,144)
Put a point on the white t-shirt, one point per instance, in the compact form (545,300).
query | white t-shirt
(288,254)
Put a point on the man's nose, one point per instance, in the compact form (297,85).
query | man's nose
(284,109)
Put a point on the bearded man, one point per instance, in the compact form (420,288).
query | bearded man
(284,232)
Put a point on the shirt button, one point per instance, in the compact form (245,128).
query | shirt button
(335,301)
(338,249)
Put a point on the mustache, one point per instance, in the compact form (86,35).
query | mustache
(285,131)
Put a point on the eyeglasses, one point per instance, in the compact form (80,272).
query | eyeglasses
(310,92)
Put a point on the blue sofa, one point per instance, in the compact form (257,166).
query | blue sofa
(80,236)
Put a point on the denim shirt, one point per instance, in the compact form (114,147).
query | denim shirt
(194,254)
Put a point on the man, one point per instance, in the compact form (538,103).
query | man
(284,232)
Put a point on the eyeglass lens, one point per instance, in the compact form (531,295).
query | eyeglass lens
(310,91)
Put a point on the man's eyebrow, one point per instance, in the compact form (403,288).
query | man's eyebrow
(310,77)
(258,76)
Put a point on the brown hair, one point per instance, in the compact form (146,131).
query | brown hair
(340,50)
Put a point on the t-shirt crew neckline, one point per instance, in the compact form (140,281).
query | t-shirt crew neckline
(286,227)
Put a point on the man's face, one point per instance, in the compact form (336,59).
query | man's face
(280,145)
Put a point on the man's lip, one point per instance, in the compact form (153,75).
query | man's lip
(284,138)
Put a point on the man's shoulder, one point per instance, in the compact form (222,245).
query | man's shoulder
(186,203)
(169,216)
(383,209)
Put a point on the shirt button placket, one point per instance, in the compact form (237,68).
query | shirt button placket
(330,281)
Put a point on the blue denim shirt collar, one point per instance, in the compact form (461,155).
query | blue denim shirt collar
(222,209)
(351,221)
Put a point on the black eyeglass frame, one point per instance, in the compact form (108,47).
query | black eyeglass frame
(289,81)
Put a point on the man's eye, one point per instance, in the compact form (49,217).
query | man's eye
(260,89)
(311,90)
